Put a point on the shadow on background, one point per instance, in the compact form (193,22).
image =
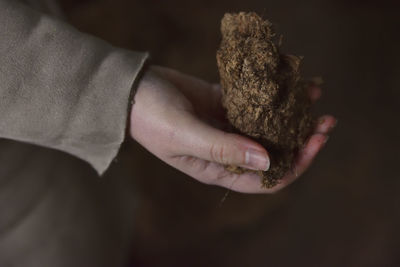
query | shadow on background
(345,210)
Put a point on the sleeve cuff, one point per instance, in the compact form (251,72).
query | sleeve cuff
(105,107)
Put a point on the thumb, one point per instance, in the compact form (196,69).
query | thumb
(208,143)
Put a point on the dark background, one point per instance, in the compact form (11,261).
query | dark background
(345,209)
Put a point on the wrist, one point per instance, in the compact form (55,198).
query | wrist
(132,96)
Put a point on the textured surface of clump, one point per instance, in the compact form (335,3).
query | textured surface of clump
(263,93)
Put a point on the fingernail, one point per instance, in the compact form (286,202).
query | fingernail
(257,160)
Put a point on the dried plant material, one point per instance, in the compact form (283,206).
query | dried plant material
(263,93)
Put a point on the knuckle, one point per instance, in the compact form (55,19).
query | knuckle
(229,151)
(218,153)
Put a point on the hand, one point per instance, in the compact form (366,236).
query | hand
(173,116)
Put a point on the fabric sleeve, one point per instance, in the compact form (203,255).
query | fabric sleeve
(61,88)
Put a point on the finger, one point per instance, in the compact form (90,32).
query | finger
(203,141)
(314,92)
(304,160)
(244,183)
(215,174)
(325,124)
(308,153)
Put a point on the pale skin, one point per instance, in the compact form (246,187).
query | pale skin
(179,119)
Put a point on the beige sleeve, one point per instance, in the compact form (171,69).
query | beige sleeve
(61,88)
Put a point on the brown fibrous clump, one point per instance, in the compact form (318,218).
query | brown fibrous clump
(263,93)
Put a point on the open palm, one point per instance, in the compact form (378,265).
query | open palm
(180,119)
